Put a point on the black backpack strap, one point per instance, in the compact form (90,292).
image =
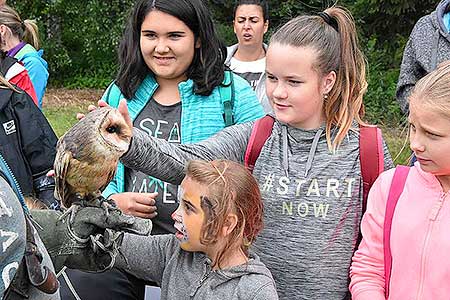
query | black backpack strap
(6,63)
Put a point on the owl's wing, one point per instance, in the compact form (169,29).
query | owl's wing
(62,162)
(111,173)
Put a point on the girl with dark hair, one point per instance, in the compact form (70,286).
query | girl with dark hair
(309,167)
(171,71)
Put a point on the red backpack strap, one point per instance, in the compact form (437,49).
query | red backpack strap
(261,131)
(371,157)
(396,189)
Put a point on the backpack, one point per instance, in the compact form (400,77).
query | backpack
(226,91)
(396,189)
(372,164)
(370,151)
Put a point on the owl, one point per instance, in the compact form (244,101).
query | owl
(88,154)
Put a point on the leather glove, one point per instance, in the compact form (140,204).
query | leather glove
(89,239)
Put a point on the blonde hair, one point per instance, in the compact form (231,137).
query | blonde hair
(336,44)
(433,90)
(4,84)
(231,188)
(26,30)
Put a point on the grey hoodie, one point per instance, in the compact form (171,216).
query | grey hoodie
(312,199)
(427,47)
(188,275)
(260,89)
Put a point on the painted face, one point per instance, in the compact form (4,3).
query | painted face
(167,46)
(189,216)
(430,139)
(249,25)
(294,88)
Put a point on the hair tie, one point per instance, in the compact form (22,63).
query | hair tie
(329,20)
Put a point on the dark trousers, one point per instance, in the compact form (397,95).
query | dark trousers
(114,284)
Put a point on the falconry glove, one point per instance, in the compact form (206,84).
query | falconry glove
(89,239)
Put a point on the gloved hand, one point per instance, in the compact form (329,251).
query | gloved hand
(89,240)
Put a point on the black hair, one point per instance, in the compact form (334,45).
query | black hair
(207,67)
(261,3)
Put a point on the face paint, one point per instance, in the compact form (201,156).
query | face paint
(177,216)
(189,216)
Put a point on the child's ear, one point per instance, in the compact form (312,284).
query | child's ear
(229,224)
(328,82)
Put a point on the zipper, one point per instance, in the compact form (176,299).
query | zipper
(205,276)
(13,182)
(432,218)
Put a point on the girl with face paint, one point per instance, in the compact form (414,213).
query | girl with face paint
(219,215)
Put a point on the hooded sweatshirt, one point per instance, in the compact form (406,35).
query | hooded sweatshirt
(188,275)
(427,47)
(312,199)
(419,241)
(37,69)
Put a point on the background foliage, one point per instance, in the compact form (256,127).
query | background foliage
(80,38)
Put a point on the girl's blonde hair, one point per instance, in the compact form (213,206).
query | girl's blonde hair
(333,36)
(433,90)
(231,188)
(26,30)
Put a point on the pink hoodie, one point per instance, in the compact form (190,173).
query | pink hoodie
(420,242)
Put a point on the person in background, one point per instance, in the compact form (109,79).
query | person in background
(20,39)
(247,58)
(419,240)
(27,143)
(428,45)
(171,68)
(15,73)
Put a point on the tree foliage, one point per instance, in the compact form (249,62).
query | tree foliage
(80,37)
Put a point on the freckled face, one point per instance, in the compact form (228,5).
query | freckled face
(189,216)
(167,45)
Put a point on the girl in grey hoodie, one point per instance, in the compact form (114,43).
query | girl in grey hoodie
(309,167)
(219,215)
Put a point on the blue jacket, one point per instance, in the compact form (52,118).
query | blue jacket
(37,69)
(201,116)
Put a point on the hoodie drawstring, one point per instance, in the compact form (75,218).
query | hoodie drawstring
(312,151)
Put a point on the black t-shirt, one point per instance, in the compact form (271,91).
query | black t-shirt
(162,122)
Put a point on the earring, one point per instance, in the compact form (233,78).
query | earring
(325,97)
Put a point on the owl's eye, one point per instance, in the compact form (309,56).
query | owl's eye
(112,129)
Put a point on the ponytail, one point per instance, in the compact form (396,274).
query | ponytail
(332,34)
(25,30)
(31,33)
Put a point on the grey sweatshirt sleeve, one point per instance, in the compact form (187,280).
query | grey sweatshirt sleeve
(166,161)
(146,256)
(411,69)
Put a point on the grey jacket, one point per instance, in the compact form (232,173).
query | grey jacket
(188,275)
(312,199)
(427,47)
(260,89)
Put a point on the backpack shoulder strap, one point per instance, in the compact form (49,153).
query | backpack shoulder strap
(226,91)
(371,155)
(396,189)
(262,129)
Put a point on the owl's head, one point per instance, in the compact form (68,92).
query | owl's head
(114,129)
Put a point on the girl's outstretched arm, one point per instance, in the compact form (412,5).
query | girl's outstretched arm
(166,161)
(367,269)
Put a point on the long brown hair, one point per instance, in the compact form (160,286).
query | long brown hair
(26,30)
(335,41)
(231,188)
